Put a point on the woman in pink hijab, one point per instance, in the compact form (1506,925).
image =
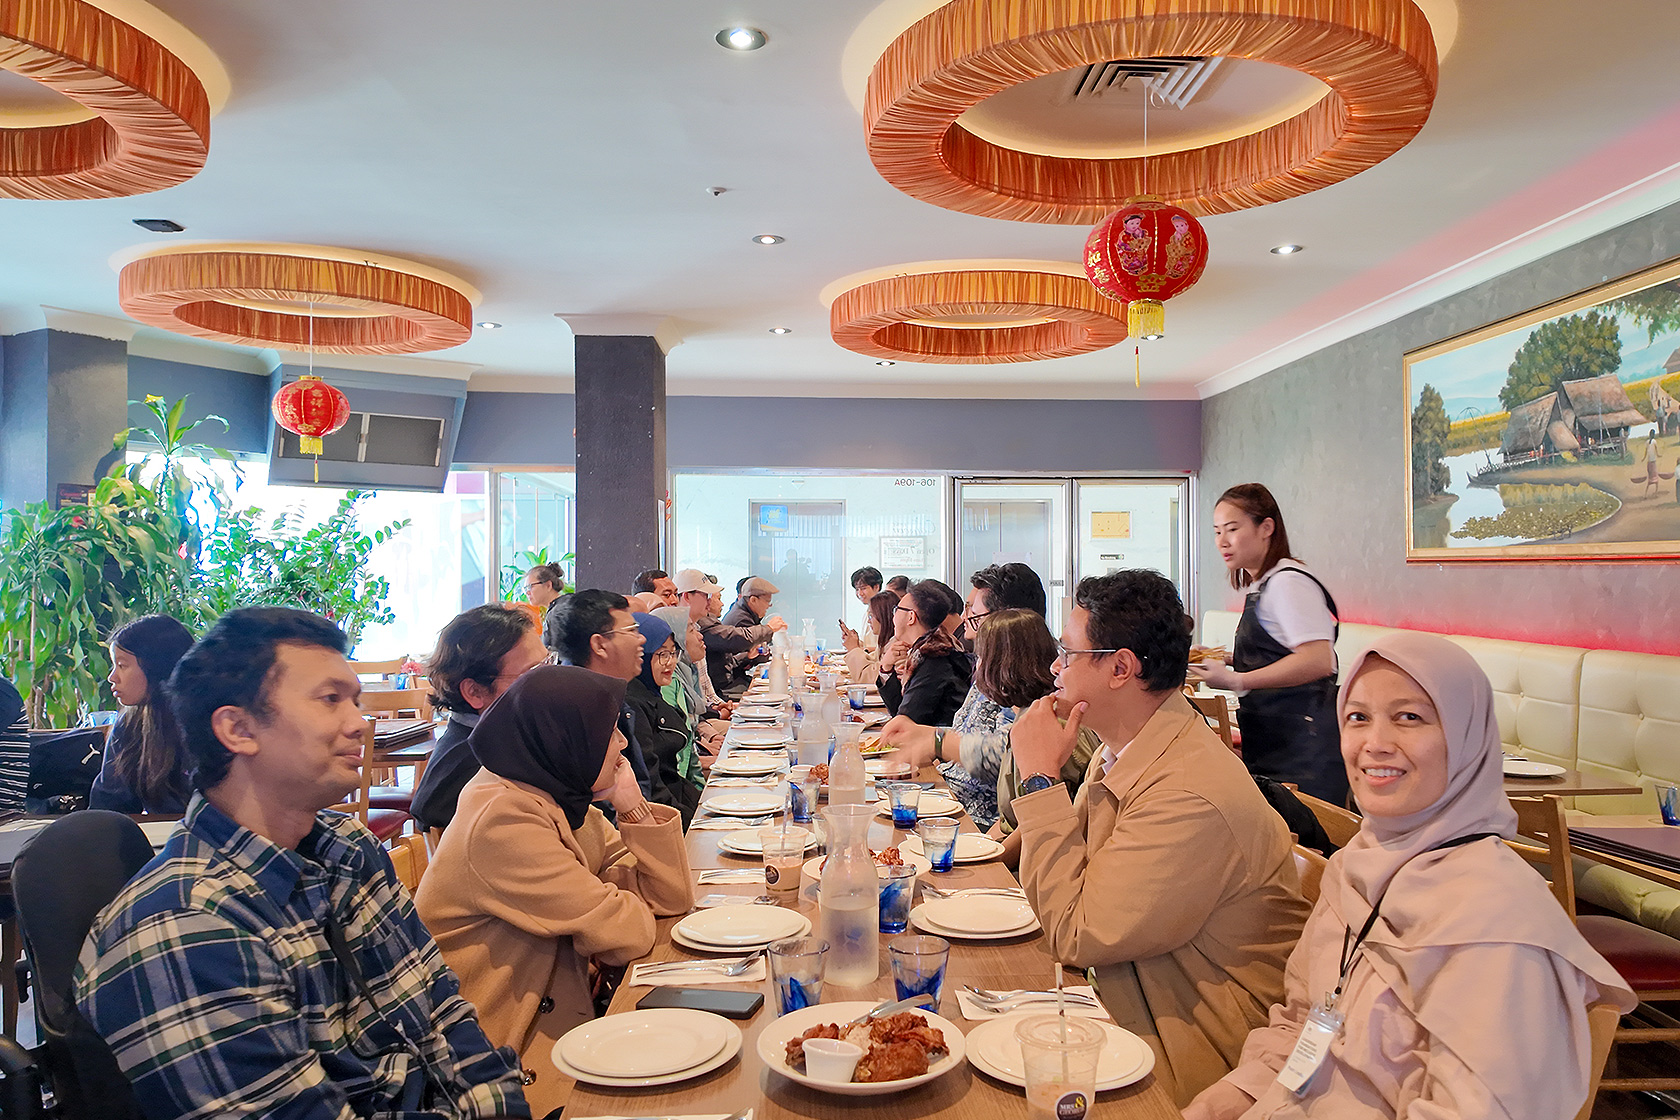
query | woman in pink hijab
(1457,985)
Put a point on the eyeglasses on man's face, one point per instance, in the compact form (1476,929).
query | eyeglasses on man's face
(1066,655)
(630,629)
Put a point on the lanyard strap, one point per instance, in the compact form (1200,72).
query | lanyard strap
(1351,943)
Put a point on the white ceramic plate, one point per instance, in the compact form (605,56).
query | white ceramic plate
(760,736)
(767,697)
(1522,768)
(770,923)
(929,805)
(755,712)
(748,842)
(993,1049)
(979,913)
(644,1043)
(813,866)
(921,922)
(773,1040)
(972,847)
(745,803)
(886,768)
(747,765)
(731,1047)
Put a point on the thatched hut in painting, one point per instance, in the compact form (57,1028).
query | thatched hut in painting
(1603,413)
(1538,428)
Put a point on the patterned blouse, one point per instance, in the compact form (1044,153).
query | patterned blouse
(983,726)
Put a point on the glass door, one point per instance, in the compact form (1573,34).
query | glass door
(1127,523)
(1021,521)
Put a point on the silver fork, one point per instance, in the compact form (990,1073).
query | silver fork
(1007,892)
(996,998)
(729,966)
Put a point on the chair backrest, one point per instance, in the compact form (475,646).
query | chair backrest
(1310,866)
(1602,1020)
(357,803)
(1213,709)
(410,859)
(377,668)
(1541,818)
(1338,823)
(55,913)
(390,701)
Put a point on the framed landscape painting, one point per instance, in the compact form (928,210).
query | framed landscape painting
(1551,435)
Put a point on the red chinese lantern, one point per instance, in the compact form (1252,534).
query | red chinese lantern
(310,408)
(1143,253)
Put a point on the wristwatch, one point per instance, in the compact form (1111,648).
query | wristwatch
(1036,783)
(635,816)
(939,743)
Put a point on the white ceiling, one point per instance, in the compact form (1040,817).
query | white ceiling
(557,155)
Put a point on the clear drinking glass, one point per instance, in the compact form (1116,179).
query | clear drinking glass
(796,969)
(918,965)
(898,891)
(939,841)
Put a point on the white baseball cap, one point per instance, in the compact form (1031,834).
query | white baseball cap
(693,579)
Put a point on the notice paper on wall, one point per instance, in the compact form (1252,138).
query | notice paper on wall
(1111,524)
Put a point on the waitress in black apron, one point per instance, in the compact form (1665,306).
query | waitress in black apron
(1283,661)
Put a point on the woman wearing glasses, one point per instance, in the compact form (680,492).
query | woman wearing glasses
(1283,661)
(664,730)
(933,671)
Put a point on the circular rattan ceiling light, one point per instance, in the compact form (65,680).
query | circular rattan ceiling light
(151,127)
(978,316)
(295,296)
(1377,57)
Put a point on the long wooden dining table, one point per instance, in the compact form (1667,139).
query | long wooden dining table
(745,1082)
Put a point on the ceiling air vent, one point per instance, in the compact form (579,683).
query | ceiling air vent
(1173,79)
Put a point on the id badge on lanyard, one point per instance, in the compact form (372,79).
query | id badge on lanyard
(1312,1049)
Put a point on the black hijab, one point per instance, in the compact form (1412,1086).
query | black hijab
(551,730)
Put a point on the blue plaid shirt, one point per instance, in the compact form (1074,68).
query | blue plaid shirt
(216,985)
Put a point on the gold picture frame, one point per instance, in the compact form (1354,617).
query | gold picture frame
(1552,434)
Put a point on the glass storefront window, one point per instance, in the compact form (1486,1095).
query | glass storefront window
(807,533)
(536,523)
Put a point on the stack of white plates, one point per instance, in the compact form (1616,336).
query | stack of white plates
(976,917)
(765,696)
(746,764)
(731,929)
(994,1049)
(745,803)
(748,842)
(755,713)
(928,805)
(654,1047)
(760,737)
(972,847)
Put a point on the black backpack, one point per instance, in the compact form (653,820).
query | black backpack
(62,767)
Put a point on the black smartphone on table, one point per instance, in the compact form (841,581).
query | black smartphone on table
(719,1001)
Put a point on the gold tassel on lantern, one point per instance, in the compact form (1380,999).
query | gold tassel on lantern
(1146,319)
(310,445)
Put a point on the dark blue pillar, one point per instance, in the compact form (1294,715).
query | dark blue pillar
(621,478)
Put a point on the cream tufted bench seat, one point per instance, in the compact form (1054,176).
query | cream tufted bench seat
(1608,713)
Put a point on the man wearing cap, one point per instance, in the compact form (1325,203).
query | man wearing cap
(696,593)
(732,642)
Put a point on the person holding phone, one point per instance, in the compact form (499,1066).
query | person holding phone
(530,880)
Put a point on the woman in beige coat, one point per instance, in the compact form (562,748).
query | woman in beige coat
(530,883)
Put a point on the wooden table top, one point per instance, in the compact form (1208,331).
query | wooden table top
(744,1082)
(1570,783)
(1634,867)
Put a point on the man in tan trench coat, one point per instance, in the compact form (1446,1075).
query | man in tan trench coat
(1170,875)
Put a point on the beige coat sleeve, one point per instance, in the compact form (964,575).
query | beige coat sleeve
(1145,889)
(521,873)
(1268,1048)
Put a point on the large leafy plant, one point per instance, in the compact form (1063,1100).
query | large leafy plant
(70,576)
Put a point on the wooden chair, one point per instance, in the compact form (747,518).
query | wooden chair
(1214,711)
(1310,865)
(377,668)
(1602,1021)
(1649,961)
(383,823)
(394,702)
(409,860)
(1338,823)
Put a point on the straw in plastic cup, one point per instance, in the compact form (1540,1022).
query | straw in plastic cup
(784,852)
(898,890)
(918,965)
(1060,1056)
(796,971)
(904,797)
(939,841)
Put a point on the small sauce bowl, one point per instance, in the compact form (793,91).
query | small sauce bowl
(829,1059)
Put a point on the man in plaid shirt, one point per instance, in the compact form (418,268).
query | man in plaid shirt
(268,963)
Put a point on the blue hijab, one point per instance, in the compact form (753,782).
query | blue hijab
(657,634)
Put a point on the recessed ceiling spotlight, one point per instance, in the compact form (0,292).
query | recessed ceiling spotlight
(781,330)
(885,362)
(741,38)
(159,225)
(487,325)
(1286,250)
(769,239)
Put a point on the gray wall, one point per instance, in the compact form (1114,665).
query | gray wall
(517,429)
(1326,435)
(65,398)
(23,418)
(239,398)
